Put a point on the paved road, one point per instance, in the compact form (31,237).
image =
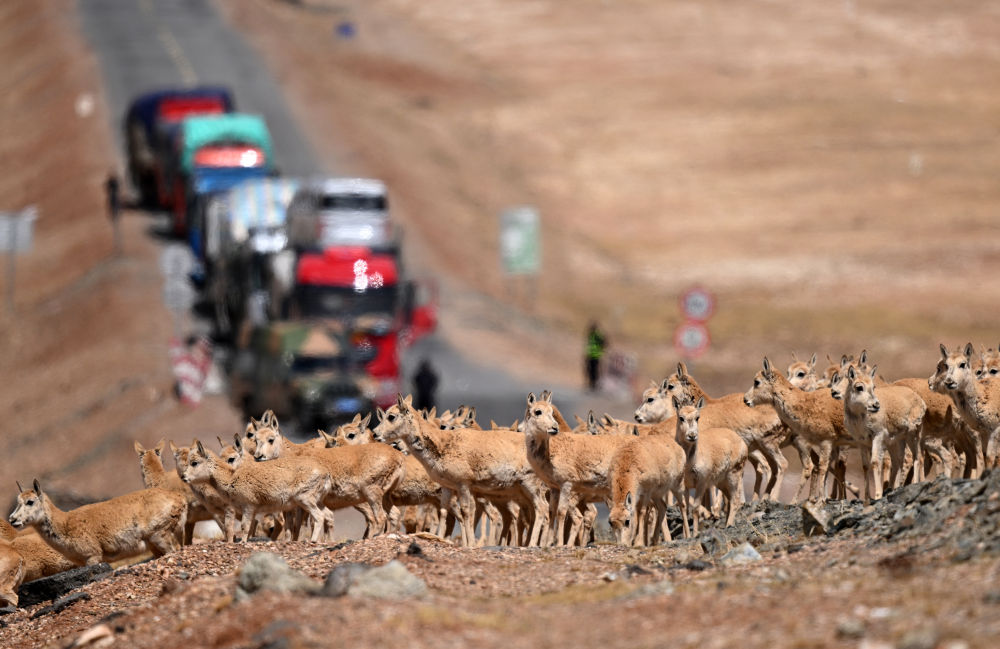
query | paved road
(144,44)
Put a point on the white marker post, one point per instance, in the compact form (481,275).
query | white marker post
(16,235)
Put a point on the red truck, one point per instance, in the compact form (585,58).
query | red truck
(364,289)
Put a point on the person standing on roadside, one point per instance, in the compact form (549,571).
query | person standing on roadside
(425,383)
(596,344)
(114,209)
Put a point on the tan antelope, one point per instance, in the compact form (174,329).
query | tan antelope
(978,402)
(644,471)
(576,467)
(760,428)
(154,475)
(468,462)
(816,417)
(361,476)
(989,364)
(122,527)
(264,487)
(882,420)
(715,457)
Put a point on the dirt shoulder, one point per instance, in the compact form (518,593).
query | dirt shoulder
(917,569)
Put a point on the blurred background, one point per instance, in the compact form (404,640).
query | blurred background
(821,177)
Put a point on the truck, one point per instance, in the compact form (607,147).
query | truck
(211,154)
(148,124)
(244,227)
(307,372)
(364,289)
(342,212)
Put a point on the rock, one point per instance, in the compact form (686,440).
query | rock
(7,610)
(391,581)
(49,588)
(650,590)
(60,604)
(339,581)
(414,550)
(713,543)
(96,636)
(268,571)
(925,638)
(815,521)
(850,629)
(739,555)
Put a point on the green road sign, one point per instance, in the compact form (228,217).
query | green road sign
(520,241)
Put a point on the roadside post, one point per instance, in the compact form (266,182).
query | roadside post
(691,338)
(521,248)
(16,236)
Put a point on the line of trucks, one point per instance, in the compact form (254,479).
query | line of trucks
(303,277)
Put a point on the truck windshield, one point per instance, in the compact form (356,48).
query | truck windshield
(315,364)
(341,301)
(352,202)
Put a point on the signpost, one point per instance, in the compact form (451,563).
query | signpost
(521,248)
(691,338)
(16,236)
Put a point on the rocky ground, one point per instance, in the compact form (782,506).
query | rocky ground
(919,569)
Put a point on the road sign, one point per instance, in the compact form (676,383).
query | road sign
(697,304)
(691,339)
(17,229)
(520,241)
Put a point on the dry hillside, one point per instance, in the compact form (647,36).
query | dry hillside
(828,170)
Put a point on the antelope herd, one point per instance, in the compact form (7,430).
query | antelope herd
(538,481)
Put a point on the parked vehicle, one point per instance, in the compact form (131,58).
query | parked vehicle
(147,126)
(244,228)
(365,290)
(341,212)
(308,373)
(209,155)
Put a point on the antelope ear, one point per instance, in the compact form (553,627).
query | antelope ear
(850,373)
(700,404)
(863,358)
(38,487)
(628,500)
(408,401)
(812,361)
(944,350)
(768,372)
(138,448)
(20,489)
(379,413)
(673,400)
(547,396)
(591,418)
(635,430)
(531,398)
(470,416)
(874,371)
(968,350)
(222,444)
(201,449)
(663,386)
(608,420)
(681,369)
(795,359)
(432,413)
(844,360)
(367,420)
(158,449)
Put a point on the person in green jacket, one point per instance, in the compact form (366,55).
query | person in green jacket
(596,344)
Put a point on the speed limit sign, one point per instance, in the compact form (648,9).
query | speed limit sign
(691,339)
(697,304)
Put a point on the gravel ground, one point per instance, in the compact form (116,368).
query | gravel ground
(916,569)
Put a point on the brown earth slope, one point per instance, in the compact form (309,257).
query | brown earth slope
(83,358)
(828,170)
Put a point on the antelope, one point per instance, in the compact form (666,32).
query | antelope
(655,405)
(978,402)
(576,467)
(644,470)
(760,428)
(467,462)
(989,363)
(816,417)
(880,420)
(154,475)
(361,475)
(715,457)
(114,529)
(264,487)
